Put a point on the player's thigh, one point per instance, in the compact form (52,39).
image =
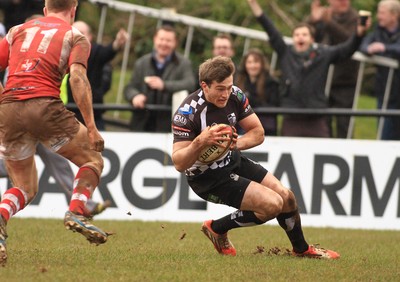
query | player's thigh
(262,200)
(78,151)
(289,200)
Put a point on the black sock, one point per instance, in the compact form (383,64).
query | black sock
(291,223)
(236,219)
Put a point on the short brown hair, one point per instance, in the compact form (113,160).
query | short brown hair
(60,5)
(166,27)
(216,69)
(306,25)
(226,36)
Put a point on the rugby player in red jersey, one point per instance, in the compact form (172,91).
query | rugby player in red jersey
(38,54)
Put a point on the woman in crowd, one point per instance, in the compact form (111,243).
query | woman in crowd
(262,89)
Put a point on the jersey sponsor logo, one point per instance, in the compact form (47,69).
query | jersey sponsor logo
(234,177)
(232,118)
(49,25)
(185,110)
(180,133)
(180,120)
(58,143)
(180,128)
(247,108)
(238,93)
(28,65)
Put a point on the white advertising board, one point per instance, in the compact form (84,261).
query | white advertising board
(338,183)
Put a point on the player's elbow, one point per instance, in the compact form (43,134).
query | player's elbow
(259,135)
(75,77)
(177,164)
(179,167)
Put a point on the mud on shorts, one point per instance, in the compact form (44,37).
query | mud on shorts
(227,185)
(25,123)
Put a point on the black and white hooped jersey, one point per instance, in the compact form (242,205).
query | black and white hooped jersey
(196,113)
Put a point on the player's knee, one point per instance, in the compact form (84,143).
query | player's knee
(277,206)
(96,163)
(271,207)
(289,199)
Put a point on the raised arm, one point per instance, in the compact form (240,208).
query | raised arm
(255,8)
(275,37)
(347,48)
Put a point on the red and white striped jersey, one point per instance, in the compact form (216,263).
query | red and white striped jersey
(38,54)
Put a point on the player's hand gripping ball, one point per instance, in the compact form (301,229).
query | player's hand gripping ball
(214,152)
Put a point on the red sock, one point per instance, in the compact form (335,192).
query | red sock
(14,200)
(82,191)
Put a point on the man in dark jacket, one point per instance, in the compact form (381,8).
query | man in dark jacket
(304,69)
(335,24)
(156,77)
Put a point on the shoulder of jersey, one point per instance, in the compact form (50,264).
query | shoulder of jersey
(238,94)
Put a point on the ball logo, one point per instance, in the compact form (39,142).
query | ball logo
(209,152)
(218,151)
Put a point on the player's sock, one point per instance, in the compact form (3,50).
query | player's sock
(236,219)
(83,188)
(291,223)
(14,200)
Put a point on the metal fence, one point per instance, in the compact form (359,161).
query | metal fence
(248,34)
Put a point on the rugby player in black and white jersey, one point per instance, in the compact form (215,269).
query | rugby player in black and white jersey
(235,180)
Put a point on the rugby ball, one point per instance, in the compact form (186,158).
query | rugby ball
(212,153)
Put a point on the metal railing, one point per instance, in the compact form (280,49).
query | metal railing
(248,34)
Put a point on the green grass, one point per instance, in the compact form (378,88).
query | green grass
(366,127)
(42,250)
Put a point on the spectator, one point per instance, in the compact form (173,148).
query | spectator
(99,70)
(223,45)
(260,87)
(335,24)
(156,77)
(304,71)
(384,40)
